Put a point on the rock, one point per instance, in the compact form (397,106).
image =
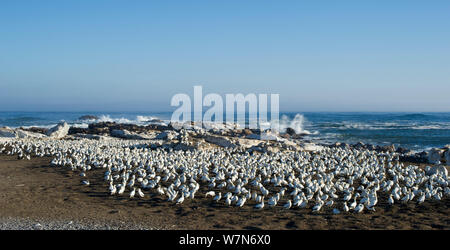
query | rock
(290,131)
(88,117)
(7,133)
(441,170)
(435,155)
(167,135)
(125,134)
(26,134)
(414,158)
(107,127)
(402,150)
(59,131)
(220,141)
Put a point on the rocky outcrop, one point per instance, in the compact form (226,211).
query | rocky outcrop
(290,131)
(167,135)
(6,132)
(220,141)
(88,117)
(27,134)
(59,131)
(36,130)
(441,170)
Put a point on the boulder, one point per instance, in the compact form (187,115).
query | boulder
(59,131)
(447,158)
(290,131)
(435,155)
(88,117)
(403,150)
(6,132)
(257,149)
(158,121)
(247,131)
(220,141)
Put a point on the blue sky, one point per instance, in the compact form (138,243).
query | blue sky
(135,55)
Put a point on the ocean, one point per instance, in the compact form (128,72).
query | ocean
(417,131)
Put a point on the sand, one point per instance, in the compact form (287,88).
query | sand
(37,192)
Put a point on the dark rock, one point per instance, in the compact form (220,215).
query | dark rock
(36,130)
(88,117)
(416,158)
(286,136)
(290,131)
(59,131)
(247,131)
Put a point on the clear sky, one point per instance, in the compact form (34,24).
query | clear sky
(135,55)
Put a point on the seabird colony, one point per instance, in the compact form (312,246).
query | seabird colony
(337,179)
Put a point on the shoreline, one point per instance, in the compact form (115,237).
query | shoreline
(106,130)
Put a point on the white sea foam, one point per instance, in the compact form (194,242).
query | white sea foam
(139,120)
(297,123)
